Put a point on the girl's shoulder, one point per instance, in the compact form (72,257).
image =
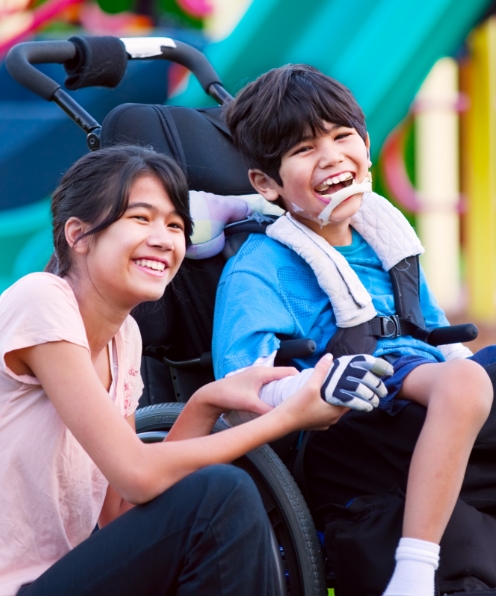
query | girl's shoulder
(37,286)
(41,307)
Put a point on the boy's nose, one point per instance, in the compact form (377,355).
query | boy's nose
(331,154)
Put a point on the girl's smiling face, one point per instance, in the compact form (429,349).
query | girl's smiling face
(134,259)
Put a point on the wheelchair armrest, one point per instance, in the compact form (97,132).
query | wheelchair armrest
(452,334)
(289,349)
(294,348)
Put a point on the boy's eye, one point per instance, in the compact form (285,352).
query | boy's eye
(343,134)
(177,225)
(140,217)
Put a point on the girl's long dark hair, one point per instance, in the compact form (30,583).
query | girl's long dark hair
(96,190)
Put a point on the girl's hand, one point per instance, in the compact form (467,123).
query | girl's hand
(241,391)
(306,409)
(237,392)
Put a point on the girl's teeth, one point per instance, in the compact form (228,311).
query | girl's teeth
(156,265)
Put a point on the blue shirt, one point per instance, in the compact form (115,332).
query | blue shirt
(266,289)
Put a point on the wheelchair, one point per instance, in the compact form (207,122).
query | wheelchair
(177,330)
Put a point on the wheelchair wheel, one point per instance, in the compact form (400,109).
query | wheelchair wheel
(296,546)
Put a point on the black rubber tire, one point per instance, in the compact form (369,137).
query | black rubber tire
(287,511)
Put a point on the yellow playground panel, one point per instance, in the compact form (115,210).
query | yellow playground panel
(478,160)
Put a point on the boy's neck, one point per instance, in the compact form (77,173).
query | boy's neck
(336,234)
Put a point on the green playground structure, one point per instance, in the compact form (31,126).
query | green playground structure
(381,50)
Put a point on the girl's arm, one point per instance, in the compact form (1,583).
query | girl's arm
(139,472)
(114,505)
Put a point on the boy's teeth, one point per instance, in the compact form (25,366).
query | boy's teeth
(156,265)
(334,180)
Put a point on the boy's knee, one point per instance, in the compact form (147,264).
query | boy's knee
(469,390)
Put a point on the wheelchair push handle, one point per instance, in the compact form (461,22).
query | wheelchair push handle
(181,53)
(101,61)
(19,63)
(20,60)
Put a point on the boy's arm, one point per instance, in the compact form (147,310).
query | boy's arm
(251,309)
(434,317)
(249,314)
(353,382)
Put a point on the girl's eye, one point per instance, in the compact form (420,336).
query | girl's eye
(140,217)
(176,225)
(303,149)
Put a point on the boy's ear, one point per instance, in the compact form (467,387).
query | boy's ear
(367,144)
(264,185)
(74,228)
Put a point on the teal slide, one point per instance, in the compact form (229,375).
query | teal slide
(381,49)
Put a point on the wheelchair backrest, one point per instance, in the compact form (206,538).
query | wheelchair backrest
(197,139)
(180,324)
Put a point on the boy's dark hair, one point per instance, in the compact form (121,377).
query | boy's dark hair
(277,110)
(96,190)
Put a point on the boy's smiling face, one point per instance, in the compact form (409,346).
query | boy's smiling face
(313,170)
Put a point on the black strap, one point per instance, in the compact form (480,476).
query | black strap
(394,326)
(172,137)
(409,320)
(405,279)
(215,121)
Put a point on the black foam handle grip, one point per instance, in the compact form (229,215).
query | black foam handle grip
(20,60)
(452,334)
(194,61)
(99,62)
(295,348)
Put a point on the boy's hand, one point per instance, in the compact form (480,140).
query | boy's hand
(305,407)
(355,382)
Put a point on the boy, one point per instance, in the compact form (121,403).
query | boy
(322,272)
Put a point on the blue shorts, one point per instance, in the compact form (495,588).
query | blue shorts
(402,367)
(405,364)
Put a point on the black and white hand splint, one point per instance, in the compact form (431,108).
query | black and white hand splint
(355,382)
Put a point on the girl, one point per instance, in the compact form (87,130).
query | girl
(69,385)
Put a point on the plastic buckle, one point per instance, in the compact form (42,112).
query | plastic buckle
(390,326)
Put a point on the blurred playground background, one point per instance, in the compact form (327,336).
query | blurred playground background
(424,72)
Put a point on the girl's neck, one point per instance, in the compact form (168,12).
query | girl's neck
(101,319)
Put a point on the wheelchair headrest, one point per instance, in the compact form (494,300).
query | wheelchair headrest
(197,139)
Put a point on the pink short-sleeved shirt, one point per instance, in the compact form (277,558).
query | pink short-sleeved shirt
(51,493)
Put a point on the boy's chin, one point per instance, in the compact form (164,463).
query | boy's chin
(346,209)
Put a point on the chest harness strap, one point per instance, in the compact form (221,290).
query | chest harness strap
(409,320)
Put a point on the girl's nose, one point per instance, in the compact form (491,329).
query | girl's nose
(161,239)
